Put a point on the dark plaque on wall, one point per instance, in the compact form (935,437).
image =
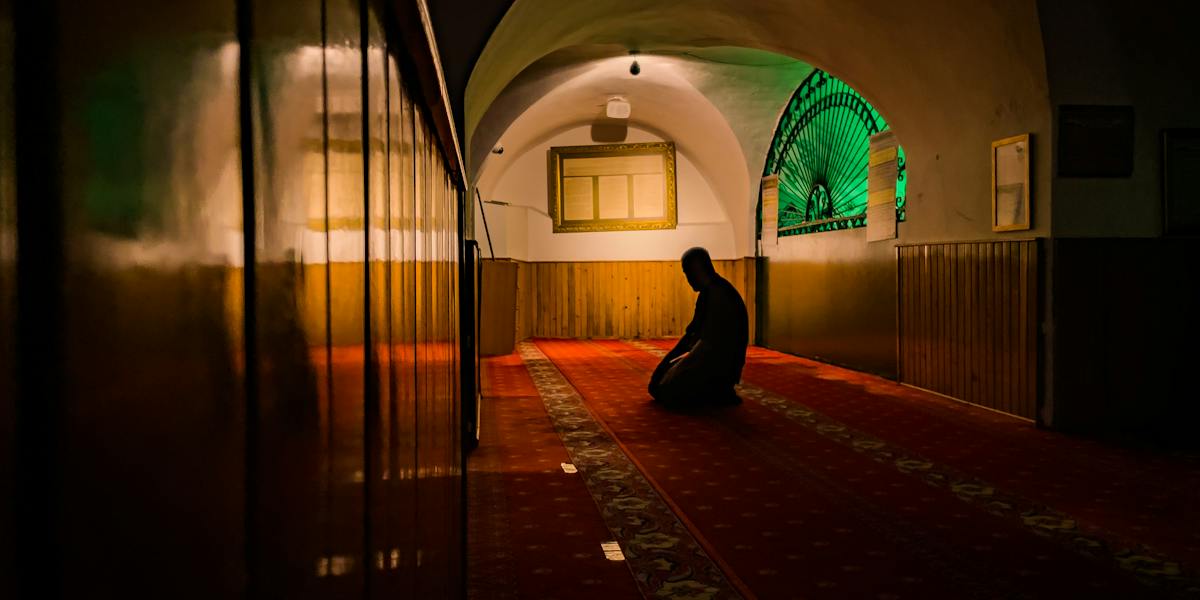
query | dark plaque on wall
(1181,181)
(1095,141)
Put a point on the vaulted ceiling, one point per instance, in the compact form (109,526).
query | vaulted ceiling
(718,105)
(717,73)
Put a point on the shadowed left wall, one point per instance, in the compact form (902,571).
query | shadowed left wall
(228,293)
(8,300)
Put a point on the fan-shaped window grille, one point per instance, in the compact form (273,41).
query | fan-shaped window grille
(820,153)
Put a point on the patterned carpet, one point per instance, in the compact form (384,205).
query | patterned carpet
(534,531)
(825,483)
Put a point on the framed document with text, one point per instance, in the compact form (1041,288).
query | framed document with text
(1010,184)
(612,187)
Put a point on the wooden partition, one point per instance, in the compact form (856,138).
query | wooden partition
(237,334)
(1125,329)
(498,308)
(968,315)
(626,299)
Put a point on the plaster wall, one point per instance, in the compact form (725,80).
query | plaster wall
(950,78)
(1144,62)
(523,230)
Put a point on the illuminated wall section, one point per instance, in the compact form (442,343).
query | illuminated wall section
(819,151)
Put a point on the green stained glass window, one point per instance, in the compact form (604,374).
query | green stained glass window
(820,151)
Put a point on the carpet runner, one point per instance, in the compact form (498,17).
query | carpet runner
(831,484)
(1053,484)
(533,530)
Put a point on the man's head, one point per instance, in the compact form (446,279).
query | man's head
(698,268)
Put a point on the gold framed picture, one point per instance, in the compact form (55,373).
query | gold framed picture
(612,187)
(1010,183)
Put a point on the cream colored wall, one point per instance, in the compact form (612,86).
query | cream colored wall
(950,77)
(523,230)
(664,103)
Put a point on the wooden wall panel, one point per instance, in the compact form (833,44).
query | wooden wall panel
(968,315)
(617,299)
(497,321)
(1125,328)
(839,311)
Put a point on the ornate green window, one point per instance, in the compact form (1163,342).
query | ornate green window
(820,152)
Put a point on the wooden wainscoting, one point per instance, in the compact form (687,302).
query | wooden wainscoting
(498,307)
(968,319)
(625,299)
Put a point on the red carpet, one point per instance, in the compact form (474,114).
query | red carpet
(535,531)
(1136,495)
(830,484)
(1125,497)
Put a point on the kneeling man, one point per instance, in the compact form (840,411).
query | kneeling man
(707,362)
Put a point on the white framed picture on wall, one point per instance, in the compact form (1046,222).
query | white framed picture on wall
(1010,183)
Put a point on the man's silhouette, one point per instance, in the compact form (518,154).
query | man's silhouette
(707,362)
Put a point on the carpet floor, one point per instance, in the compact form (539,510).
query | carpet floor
(824,483)
(534,529)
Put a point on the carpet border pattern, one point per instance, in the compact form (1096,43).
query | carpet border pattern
(1150,567)
(663,555)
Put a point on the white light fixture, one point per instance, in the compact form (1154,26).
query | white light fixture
(617,108)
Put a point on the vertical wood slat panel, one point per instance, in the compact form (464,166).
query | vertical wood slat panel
(1011,316)
(545,300)
(926,319)
(988,397)
(546,295)
(985,327)
(968,315)
(930,309)
(629,301)
(614,299)
(905,320)
(549,313)
(554,286)
(905,314)
(960,330)
(995,340)
(564,303)
(652,275)
(1002,309)
(1032,277)
(970,263)
(943,312)
(926,310)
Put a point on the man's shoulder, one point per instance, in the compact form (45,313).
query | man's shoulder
(723,294)
(724,288)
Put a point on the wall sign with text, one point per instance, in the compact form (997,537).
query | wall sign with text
(612,187)
(1010,184)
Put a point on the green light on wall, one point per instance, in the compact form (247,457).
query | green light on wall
(820,152)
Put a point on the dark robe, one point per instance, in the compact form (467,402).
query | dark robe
(715,343)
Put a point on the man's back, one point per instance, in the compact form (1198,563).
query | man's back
(723,328)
